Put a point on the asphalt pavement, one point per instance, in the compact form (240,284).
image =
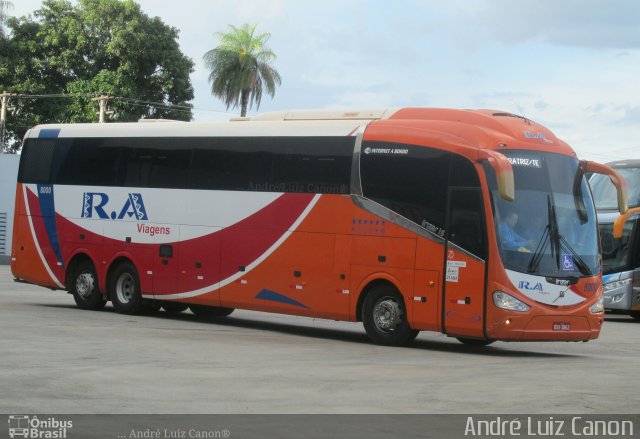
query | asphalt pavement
(56,358)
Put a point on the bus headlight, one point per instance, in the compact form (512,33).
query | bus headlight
(616,284)
(505,301)
(597,307)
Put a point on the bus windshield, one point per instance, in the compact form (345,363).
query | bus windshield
(550,227)
(604,192)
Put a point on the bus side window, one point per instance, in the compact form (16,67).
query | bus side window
(467,227)
(156,167)
(91,162)
(235,164)
(36,160)
(413,184)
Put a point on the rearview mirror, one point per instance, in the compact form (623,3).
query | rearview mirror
(504,172)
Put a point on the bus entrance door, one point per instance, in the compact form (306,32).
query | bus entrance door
(464,268)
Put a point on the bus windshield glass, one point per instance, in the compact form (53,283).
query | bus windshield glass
(604,192)
(550,227)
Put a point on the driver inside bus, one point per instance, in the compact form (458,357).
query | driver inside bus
(509,238)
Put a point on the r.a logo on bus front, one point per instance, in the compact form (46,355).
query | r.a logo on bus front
(95,204)
(525,285)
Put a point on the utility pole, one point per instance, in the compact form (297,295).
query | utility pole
(4,104)
(102,105)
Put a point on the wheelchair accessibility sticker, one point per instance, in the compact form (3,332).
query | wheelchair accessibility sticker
(567,263)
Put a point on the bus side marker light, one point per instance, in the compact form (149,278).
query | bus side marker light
(150,273)
(200,277)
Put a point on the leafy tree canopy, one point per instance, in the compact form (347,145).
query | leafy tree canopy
(97,47)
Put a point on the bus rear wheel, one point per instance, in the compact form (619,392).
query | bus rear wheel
(84,287)
(124,289)
(210,311)
(384,317)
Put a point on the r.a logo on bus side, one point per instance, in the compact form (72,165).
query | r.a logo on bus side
(96,202)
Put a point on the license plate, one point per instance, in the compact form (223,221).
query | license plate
(561,326)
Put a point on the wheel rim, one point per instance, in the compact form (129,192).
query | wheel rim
(85,284)
(125,288)
(387,314)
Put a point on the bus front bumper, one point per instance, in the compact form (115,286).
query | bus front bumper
(619,298)
(548,328)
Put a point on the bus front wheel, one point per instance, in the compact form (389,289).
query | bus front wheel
(384,317)
(84,287)
(124,289)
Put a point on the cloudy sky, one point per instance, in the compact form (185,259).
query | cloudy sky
(573,65)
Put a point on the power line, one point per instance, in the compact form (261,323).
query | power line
(95,96)
(131,101)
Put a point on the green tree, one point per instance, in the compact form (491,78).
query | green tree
(92,48)
(240,67)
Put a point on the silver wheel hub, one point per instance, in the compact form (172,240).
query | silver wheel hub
(85,284)
(387,314)
(125,288)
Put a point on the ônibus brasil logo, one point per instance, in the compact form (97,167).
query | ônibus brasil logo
(96,203)
(31,427)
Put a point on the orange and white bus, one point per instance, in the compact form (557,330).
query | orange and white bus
(475,223)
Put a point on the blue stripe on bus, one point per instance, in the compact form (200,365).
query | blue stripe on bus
(48,211)
(49,133)
(277,297)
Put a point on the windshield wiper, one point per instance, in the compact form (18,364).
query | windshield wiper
(550,235)
(554,234)
(539,251)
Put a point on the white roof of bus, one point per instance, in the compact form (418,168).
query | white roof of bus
(281,123)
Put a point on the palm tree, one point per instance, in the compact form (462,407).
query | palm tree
(240,67)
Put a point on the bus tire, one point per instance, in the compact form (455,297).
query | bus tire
(210,311)
(475,342)
(384,317)
(174,307)
(84,287)
(124,289)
